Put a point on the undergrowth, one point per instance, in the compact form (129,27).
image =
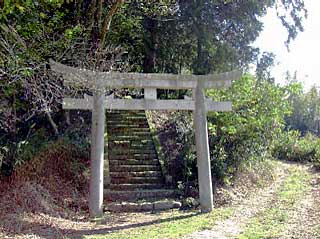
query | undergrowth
(290,145)
(58,172)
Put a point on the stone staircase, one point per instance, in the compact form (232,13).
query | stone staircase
(135,171)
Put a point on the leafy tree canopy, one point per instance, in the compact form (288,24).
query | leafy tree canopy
(171,36)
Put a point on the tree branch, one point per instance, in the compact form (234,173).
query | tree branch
(53,124)
(99,12)
(91,12)
(107,21)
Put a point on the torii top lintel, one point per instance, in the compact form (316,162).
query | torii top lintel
(82,77)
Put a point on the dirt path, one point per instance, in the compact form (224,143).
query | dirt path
(303,217)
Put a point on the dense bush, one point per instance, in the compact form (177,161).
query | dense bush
(60,157)
(24,149)
(237,139)
(245,134)
(291,146)
(175,136)
(305,115)
(15,154)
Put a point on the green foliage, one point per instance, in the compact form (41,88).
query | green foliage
(264,65)
(185,136)
(291,146)
(239,139)
(60,159)
(29,147)
(248,131)
(16,153)
(176,137)
(80,136)
(40,140)
(198,36)
(31,33)
(160,36)
(306,110)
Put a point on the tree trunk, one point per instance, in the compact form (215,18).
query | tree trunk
(107,21)
(199,65)
(150,42)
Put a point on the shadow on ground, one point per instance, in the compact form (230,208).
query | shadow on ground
(106,230)
(101,227)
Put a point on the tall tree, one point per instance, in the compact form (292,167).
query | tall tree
(224,30)
(264,65)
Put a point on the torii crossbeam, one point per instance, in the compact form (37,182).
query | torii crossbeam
(98,81)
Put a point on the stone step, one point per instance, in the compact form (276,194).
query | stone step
(129,134)
(126,151)
(145,206)
(134,168)
(112,195)
(124,115)
(135,171)
(127,116)
(130,186)
(133,156)
(127,121)
(126,112)
(123,174)
(122,130)
(140,113)
(133,162)
(137,180)
(135,142)
(128,137)
(112,125)
(132,141)
(127,146)
(130,118)
(127,130)
(137,149)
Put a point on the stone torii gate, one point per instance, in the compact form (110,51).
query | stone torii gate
(98,81)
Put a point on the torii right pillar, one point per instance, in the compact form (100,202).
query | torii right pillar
(202,146)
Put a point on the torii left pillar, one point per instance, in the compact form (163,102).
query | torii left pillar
(97,153)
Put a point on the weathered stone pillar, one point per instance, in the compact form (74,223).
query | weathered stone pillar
(202,146)
(97,154)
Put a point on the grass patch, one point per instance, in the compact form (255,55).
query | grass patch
(180,224)
(294,187)
(317,231)
(271,222)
